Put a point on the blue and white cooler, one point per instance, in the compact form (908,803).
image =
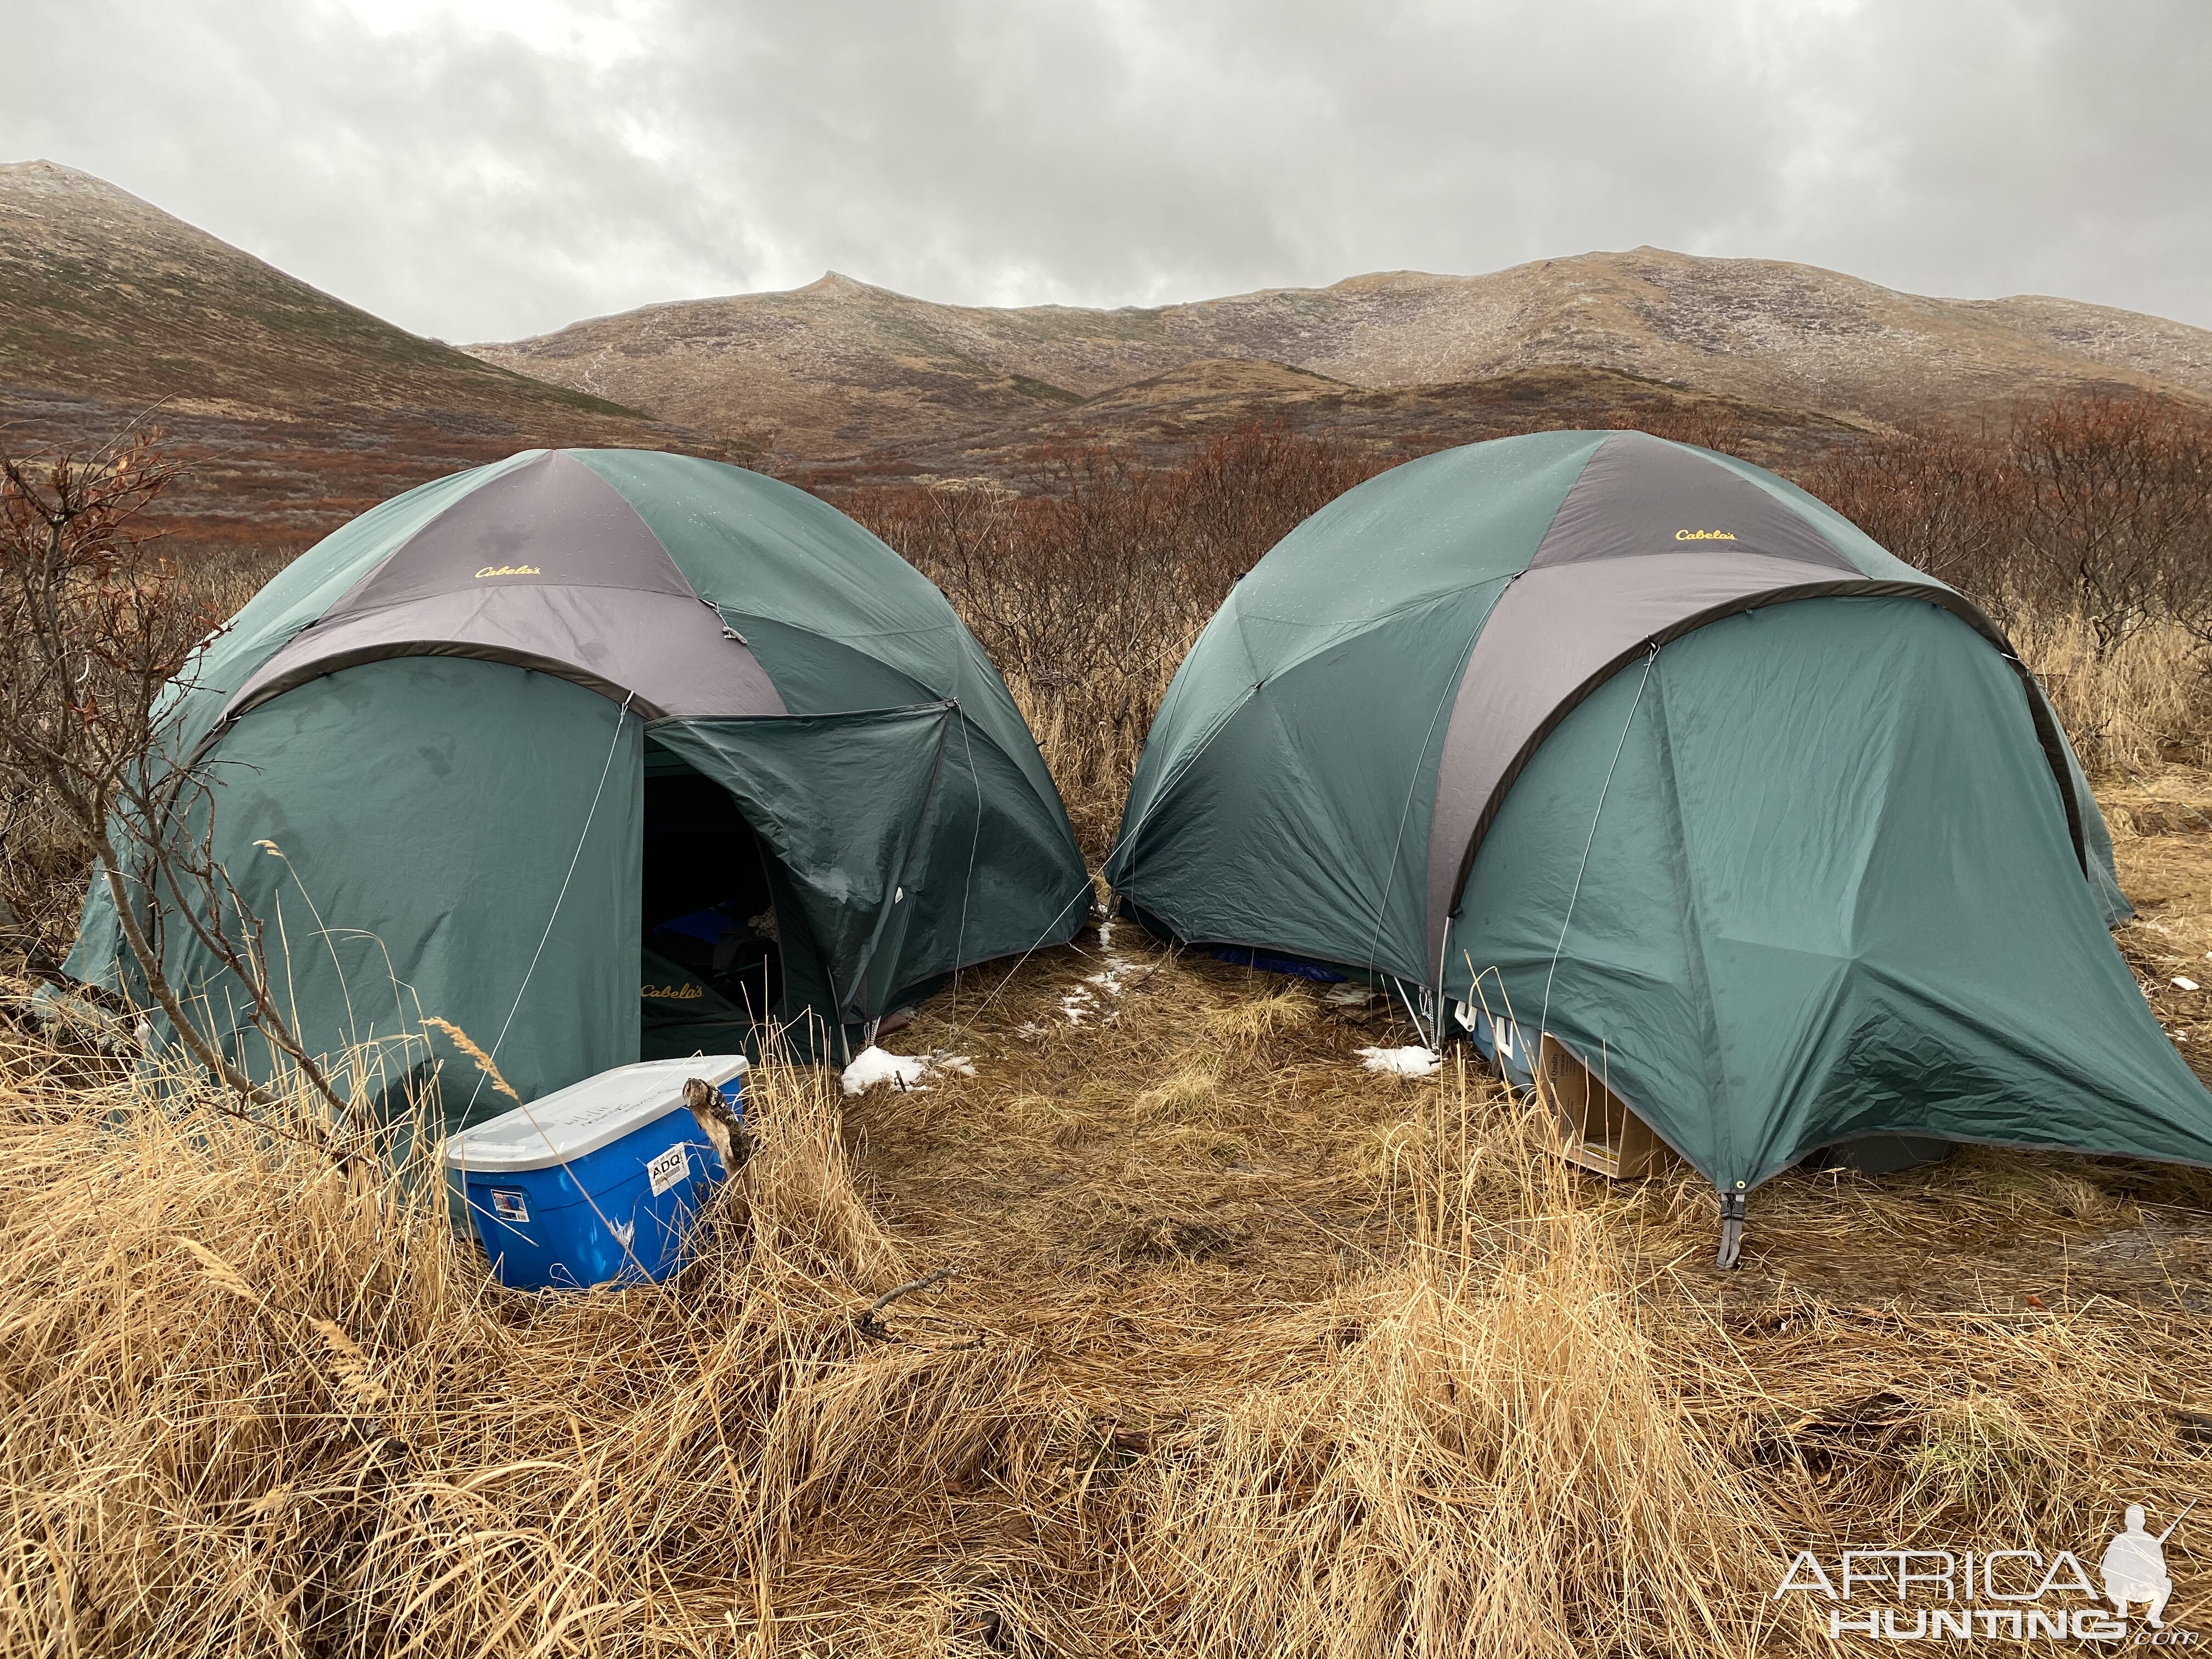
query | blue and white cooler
(597,1182)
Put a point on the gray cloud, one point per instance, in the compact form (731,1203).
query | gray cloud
(481,171)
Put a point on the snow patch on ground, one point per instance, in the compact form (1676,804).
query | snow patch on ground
(1415,1062)
(1096,990)
(873,1066)
(1088,1000)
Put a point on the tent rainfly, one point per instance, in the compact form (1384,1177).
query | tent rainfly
(1591,736)
(604,753)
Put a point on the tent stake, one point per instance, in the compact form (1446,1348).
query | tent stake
(1731,1249)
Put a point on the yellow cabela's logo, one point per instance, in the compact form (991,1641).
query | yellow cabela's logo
(672,993)
(1704,535)
(508,570)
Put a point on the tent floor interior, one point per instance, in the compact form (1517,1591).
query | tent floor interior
(1158,1148)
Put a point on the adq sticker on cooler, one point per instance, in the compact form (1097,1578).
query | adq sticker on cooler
(671,1167)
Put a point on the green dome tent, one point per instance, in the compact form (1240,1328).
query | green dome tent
(1638,746)
(598,753)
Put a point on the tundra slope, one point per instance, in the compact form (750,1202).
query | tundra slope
(297,411)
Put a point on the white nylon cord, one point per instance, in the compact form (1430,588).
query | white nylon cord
(1085,891)
(575,859)
(1543,1018)
(967,883)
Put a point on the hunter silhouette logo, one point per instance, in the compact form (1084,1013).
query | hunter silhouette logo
(1960,1595)
(2134,1567)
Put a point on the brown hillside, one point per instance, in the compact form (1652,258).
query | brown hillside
(1157,419)
(296,409)
(839,368)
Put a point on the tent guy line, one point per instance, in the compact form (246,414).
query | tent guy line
(590,813)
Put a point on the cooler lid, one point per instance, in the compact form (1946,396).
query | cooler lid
(565,1125)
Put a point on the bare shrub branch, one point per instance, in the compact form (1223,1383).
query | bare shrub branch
(100,635)
(1088,584)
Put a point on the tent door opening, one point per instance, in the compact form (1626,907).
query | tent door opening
(712,954)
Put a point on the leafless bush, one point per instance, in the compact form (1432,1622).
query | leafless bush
(2086,529)
(1088,586)
(1715,427)
(1946,503)
(2114,520)
(92,625)
(98,636)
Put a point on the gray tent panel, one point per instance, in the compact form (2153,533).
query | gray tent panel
(1681,501)
(668,656)
(544,566)
(550,522)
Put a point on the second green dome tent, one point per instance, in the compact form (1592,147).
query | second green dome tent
(1641,746)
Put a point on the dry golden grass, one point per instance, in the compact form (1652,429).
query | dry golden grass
(1245,1349)
(1091,755)
(1275,1355)
(2130,713)
(250,1411)
(1485,1449)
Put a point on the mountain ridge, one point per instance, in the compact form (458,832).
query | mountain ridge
(325,341)
(297,411)
(839,367)
(294,409)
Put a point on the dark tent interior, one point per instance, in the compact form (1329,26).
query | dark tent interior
(711,966)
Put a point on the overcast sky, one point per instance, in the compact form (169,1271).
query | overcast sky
(484,171)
